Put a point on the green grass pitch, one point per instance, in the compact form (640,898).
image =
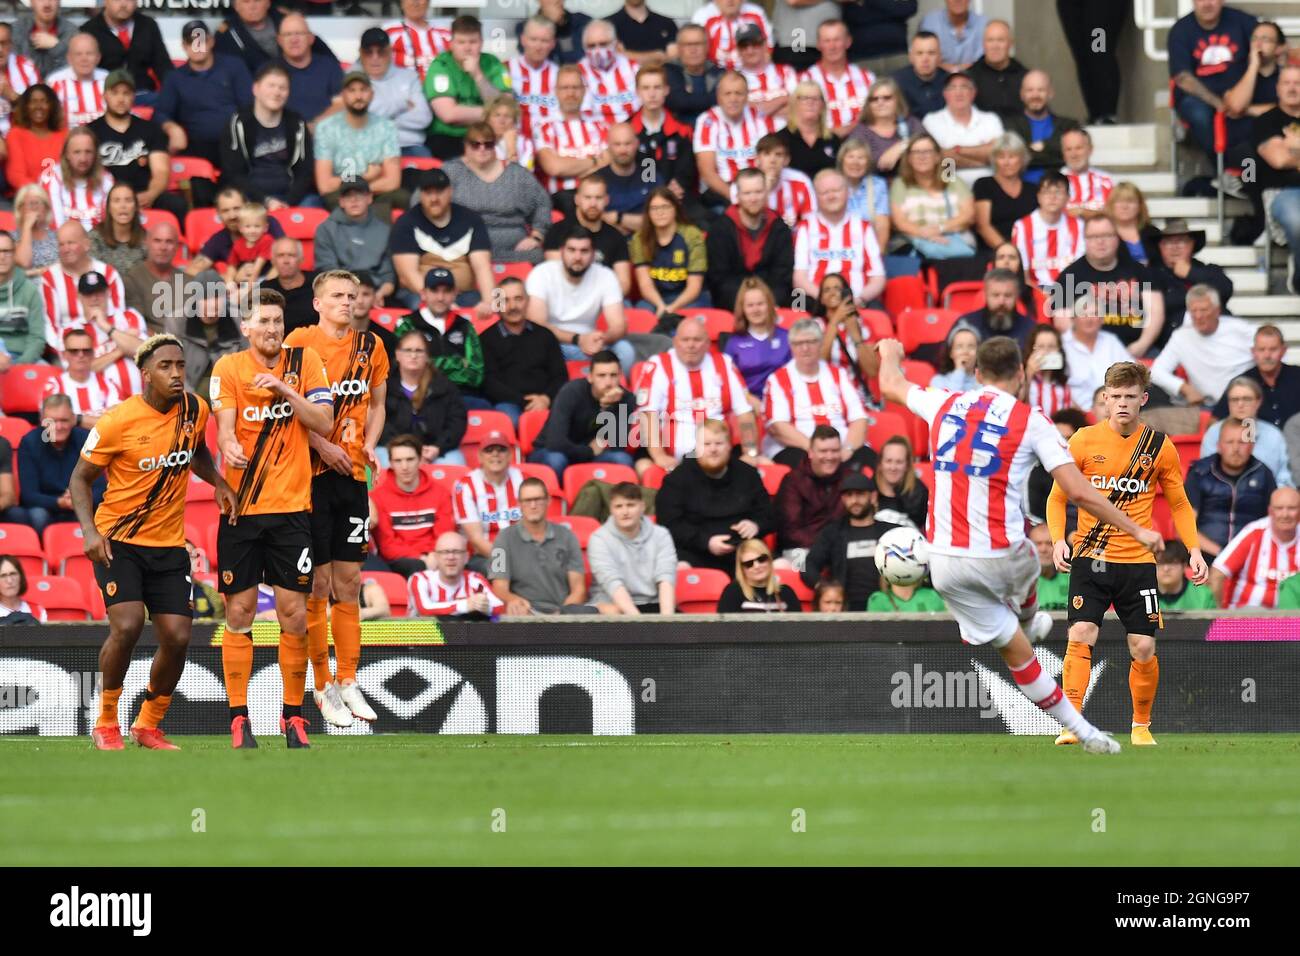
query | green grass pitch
(430,800)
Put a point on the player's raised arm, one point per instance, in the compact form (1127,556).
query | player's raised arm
(1083,495)
(893,384)
(84,475)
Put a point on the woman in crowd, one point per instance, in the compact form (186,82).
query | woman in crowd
(935,216)
(1006,256)
(13,585)
(1127,208)
(957,367)
(1004,197)
(807,134)
(668,256)
(756,589)
(36,245)
(119,238)
(512,147)
(78,184)
(1047,372)
(759,346)
(885,125)
(422,402)
(902,497)
(36,136)
(843,336)
(868,193)
(514,206)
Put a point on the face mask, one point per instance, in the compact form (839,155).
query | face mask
(601,59)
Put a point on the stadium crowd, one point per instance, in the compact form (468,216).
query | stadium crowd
(646,255)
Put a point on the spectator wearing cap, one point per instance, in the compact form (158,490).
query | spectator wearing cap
(809,495)
(356,144)
(524,369)
(1172,252)
(964,132)
(355,237)
(134,150)
(439,232)
(315,76)
(998,74)
(266,150)
(633,560)
(960,33)
(458,84)
(515,208)
(844,549)
(46,458)
(199,97)
(537,566)
(116,332)
(206,327)
(454,346)
(399,95)
(42,35)
(130,40)
(590,420)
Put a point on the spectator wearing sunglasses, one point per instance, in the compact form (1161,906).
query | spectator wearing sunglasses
(757,589)
(513,204)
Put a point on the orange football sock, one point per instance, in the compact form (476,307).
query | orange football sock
(293,667)
(237,662)
(318,640)
(153,710)
(1075,674)
(108,707)
(1143,676)
(346,617)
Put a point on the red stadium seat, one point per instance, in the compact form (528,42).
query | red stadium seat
(300,222)
(918,327)
(581,526)
(447,475)
(22,542)
(905,292)
(200,226)
(204,513)
(802,591)
(420,162)
(23,387)
(786,318)
(962,297)
(1189,449)
(653,477)
(918,373)
(481,424)
(394,586)
(83,573)
(698,590)
(639,321)
(918,431)
(530,426)
(190,167)
(152,217)
(882,426)
(388,317)
(575,476)
(209,541)
(578,368)
(62,598)
(63,540)
(718,321)
(196,489)
(14,429)
(1161,517)
(7,221)
(925,471)
(876,324)
(531,469)
(511,270)
(773,475)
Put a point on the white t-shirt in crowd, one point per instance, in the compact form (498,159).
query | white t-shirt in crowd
(569,307)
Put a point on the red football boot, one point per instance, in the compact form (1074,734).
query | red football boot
(108,738)
(151,738)
(295,733)
(241,734)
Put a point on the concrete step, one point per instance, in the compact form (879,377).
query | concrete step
(1178,207)
(1151,183)
(1285,307)
(1291,334)
(1247,281)
(1242,257)
(1129,145)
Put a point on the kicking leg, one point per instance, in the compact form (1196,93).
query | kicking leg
(1045,692)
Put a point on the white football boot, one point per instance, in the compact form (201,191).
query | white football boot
(356,702)
(330,703)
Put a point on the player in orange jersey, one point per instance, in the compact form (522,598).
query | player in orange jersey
(357,366)
(148,444)
(268,399)
(1123,459)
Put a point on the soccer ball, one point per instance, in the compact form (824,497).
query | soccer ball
(902,556)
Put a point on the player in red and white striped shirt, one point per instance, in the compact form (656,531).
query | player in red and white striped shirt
(1048,239)
(721,21)
(486,501)
(20,73)
(1249,571)
(59,282)
(533,76)
(683,387)
(569,146)
(984,444)
(80,85)
(610,76)
(844,85)
(727,135)
(115,333)
(451,590)
(92,393)
(1089,188)
(770,84)
(415,40)
(831,240)
(78,185)
(807,392)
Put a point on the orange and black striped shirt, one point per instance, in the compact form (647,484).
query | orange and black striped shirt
(355,364)
(147,456)
(277,479)
(1127,471)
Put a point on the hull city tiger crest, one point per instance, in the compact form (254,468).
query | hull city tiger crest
(1078,601)
(111,588)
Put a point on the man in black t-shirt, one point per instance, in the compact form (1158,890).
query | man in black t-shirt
(643,35)
(591,200)
(1276,136)
(134,150)
(845,550)
(292,282)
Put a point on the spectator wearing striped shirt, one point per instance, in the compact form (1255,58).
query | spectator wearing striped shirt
(78,185)
(486,501)
(569,146)
(609,75)
(1250,570)
(416,41)
(770,84)
(59,281)
(830,240)
(92,392)
(844,85)
(449,589)
(16,74)
(1049,238)
(1089,187)
(726,139)
(80,85)
(533,75)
